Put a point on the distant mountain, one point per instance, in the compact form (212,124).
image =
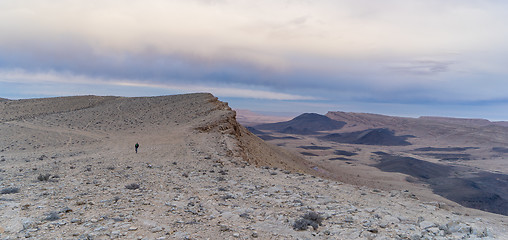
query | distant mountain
(430,131)
(307,123)
(380,136)
(461,121)
(255,131)
(477,122)
(292,130)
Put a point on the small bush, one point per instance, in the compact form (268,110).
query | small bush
(302,224)
(132,186)
(313,216)
(312,219)
(10,190)
(44,177)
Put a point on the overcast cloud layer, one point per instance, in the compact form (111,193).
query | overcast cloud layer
(406,57)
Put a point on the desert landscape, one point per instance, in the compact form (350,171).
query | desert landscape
(463,160)
(69,171)
(216,119)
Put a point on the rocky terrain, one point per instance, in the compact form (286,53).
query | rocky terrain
(462,160)
(68,170)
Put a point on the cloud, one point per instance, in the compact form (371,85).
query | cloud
(27,78)
(207,28)
(352,50)
(423,67)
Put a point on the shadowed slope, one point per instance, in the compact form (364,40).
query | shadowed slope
(481,190)
(382,137)
(411,166)
(250,147)
(306,123)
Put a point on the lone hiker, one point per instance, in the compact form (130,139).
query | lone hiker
(136,147)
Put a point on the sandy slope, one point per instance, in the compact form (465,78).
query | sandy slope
(196,174)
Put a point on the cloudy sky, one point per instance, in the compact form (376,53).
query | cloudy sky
(397,57)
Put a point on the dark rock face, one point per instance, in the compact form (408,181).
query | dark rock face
(344,153)
(411,166)
(481,190)
(474,192)
(379,136)
(292,130)
(305,124)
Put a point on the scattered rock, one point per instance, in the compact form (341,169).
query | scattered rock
(456,226)
(44,177)
(132,186)
(52,216)
(427,224)
(10,190)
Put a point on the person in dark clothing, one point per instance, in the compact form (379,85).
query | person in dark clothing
(136,147)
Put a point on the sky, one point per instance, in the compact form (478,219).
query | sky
(395,57)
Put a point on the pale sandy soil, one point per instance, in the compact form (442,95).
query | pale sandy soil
(200,176)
